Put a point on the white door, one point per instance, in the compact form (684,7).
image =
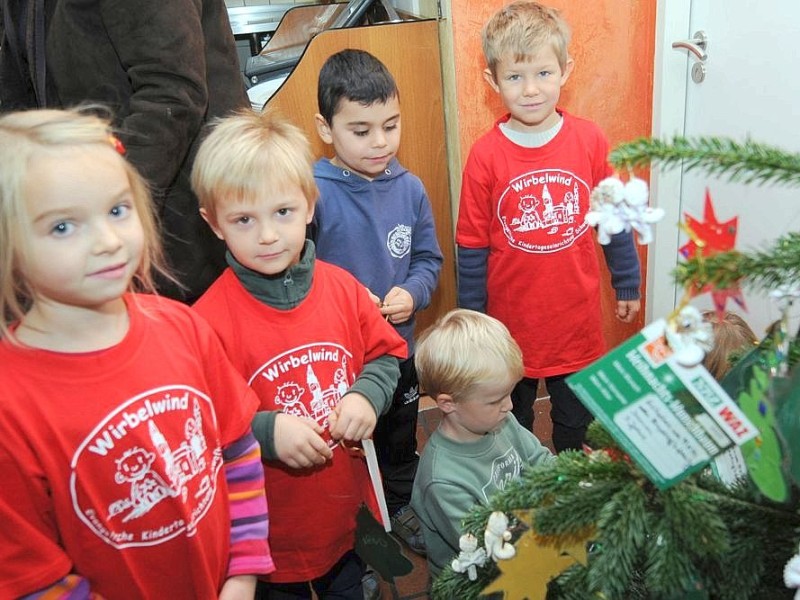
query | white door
(751,88)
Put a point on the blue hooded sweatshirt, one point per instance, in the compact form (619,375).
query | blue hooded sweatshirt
(382,231)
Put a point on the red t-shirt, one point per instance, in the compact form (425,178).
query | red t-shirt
(301,361)
(528,207)
(111,461)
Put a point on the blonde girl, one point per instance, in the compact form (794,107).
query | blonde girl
(127,462)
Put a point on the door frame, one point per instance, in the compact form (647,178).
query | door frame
(670,83)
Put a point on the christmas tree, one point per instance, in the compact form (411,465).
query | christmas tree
(594,525)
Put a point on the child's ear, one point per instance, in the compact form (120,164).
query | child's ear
(567,70)
(211,223)
(323,129)
(489,77)
(445,403)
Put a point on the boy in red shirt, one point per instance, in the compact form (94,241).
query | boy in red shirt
(525,253)
(308,339)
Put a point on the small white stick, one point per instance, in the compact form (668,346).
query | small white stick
(375,477)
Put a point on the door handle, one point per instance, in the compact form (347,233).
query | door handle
(697,45)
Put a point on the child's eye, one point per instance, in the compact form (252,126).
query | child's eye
(361,133)
(121,210)
(391,127)
(284,211)
(62,228)
(545,73)
(244,220)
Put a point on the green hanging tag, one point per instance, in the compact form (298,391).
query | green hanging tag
(378,548)
(748,381)
(786,399)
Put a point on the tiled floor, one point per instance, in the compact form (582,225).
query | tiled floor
(415,584)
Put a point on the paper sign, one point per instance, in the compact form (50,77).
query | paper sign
(377,482)
(671,420)
(730,467)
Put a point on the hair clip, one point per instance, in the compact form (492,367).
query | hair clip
(118,145)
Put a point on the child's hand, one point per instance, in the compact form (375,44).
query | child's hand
(238,587)
(398,306)
(374,298)
(353,418)
(299,443)
(627,310)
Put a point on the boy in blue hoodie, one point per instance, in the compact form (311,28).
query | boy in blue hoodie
(374,219)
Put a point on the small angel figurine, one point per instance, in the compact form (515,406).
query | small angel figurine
(470,556)
(617,206)
(496,538)
(689,336)
(791,574)
(605,213)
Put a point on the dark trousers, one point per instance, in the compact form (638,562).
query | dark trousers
(570,418)
(395,438)
(342,582)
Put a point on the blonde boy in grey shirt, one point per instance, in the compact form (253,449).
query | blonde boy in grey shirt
(468,363)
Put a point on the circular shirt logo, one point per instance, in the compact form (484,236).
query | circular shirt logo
(399,241)
(147,473)
(542,211)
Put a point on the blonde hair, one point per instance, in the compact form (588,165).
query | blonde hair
(464,349)
(732,338)
(246,151)
(24,137)
(522,29)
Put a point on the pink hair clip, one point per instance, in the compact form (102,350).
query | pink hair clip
(118,145)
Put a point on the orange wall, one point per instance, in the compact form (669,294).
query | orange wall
(612,83)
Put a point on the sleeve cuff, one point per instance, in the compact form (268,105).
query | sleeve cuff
(377,382)
(631,293)
(264,431)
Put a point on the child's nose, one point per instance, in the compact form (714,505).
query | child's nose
(107,238)
(267,234)
(531,87)
(379,139)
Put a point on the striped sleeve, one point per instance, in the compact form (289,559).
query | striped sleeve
(249,551)
(71,587)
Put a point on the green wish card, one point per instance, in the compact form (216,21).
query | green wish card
(378,548)
(671,419)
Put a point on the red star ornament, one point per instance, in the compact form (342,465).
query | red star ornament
(709,235)
(720,298)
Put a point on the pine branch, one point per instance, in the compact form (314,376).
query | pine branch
(646,543)
(747,162)
(762,538)
(766,269)
(621,537)
(598,436)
